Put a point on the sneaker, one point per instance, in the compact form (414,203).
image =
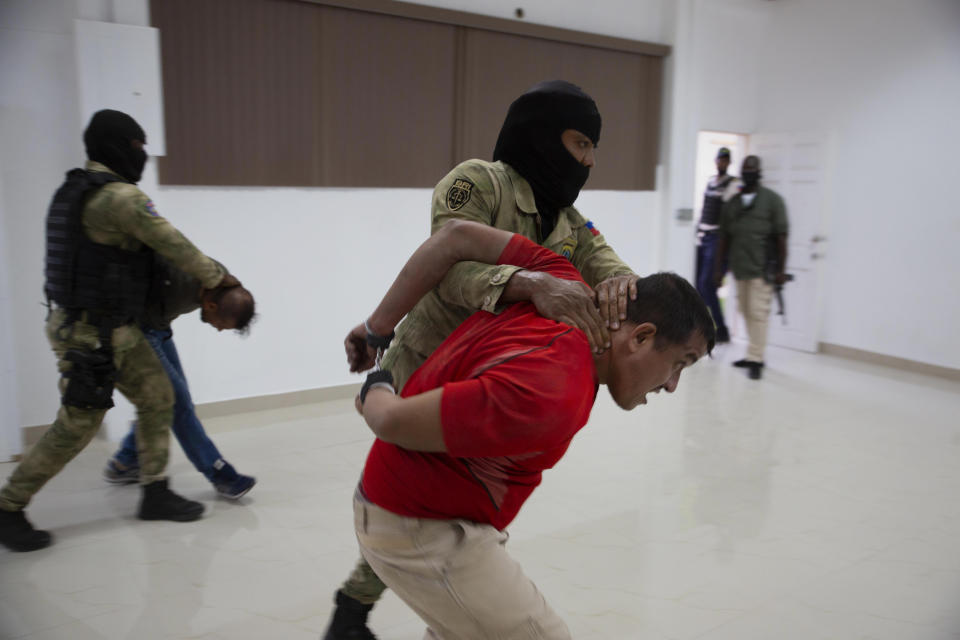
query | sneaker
(723,335)
(160,503)
(17,534)
(744,364)
(349,621)
(116,473)
(237,488)
(755,370)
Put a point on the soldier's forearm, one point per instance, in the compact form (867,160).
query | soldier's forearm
(430,262)
(169,242)
(475,285)
(521,286)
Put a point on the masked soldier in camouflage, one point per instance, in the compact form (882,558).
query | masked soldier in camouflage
(542,159)
(103,234)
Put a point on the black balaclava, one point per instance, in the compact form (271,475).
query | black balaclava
(108,140)
(530,142)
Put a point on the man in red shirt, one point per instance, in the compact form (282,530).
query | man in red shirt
(499,401)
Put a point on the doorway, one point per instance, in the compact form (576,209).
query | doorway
(793,165)
(708,143)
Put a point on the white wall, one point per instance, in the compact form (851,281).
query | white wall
(9,403)
(878,75)
(39,129)
(711,85)
(882,79)
(317,260)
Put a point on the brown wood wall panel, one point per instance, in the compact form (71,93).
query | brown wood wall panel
(239,91)
(650,117)
(388,100)
(292,93)
(425,13)
(501,66)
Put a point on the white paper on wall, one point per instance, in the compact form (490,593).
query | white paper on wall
(118,67)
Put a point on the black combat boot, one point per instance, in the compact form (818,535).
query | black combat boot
(17,534)
(349,620)
(159,503)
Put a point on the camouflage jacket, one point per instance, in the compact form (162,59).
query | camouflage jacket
(494,194)
(120,215)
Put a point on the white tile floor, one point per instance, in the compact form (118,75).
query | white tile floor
(819,503)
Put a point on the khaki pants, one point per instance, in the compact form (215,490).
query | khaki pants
(456,575)
(754,297)
(140,377)
(363,585)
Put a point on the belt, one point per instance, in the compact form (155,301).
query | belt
(96,318)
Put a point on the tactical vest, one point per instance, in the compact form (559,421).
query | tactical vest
(713,201)
(85,275)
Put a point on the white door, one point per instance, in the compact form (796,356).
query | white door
(794,165)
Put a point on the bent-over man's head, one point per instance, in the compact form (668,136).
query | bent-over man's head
(228,308)
(668,328)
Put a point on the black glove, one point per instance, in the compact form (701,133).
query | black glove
(376,377)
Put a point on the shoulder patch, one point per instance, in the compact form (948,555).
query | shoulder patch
(152,210)
(459,194)
(592,228)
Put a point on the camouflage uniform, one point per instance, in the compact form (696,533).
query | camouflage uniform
(118,214)
(494,194)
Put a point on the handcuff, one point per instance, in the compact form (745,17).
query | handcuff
(378,378)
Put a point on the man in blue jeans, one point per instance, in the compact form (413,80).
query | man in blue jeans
(226,307)
(721,188)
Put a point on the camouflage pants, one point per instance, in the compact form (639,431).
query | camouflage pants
(363,584)
(140,377)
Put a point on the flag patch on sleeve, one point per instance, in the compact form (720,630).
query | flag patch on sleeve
(152,210)
(592,228)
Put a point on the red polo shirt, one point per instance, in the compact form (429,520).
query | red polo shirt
(516,388)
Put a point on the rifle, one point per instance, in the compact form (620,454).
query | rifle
(770,274)
(778,290)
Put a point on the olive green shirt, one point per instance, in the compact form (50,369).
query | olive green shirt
(748,231)
(120,215)
(494,194)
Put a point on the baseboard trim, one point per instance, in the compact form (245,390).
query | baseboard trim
(275,401)
(903,364)
(31,435)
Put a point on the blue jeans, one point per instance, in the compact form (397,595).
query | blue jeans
(706,253)
(186,426)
